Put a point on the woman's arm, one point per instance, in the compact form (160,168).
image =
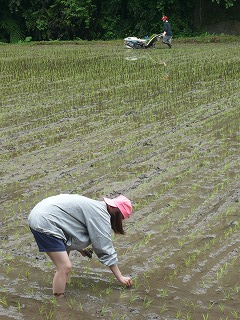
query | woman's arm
(127,281)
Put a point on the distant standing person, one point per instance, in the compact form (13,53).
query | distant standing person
(167,33)
(68,222)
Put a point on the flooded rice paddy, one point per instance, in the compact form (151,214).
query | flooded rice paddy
(159,126)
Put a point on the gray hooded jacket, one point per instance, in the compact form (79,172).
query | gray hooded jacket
(79,221)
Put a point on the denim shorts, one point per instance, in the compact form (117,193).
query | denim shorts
(47,243)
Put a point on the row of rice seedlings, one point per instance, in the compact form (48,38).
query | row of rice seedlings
(178,180)
(105,67)
(193,215)
(191,258)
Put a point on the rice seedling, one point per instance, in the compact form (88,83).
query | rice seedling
(27,273)
(147,302)
(163,293)
(50,314)
(73,303)
(163,308)
(222,307)
(41,310)
(4,302)
(188,316)
(235,314)
(104,310)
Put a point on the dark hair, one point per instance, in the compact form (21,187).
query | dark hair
(116,220)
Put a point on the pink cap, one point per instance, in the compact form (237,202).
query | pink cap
(122,203)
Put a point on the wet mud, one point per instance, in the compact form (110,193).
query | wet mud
(178,162)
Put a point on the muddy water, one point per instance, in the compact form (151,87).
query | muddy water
(178,162)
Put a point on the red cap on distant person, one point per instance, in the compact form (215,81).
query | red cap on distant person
(164,18)
(122,203)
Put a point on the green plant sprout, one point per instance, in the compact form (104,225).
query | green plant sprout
(134,297)
(4,302)
(235,314)
(147,302)
(163,293)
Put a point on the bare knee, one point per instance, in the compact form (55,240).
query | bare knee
(61,261)
(66,268)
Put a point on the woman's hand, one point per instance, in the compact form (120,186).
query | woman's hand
(127,281)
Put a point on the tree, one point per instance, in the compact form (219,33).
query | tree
(108,19)
(228,3)
(60,19)
(11,25)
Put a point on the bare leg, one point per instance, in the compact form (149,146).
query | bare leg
(64,267)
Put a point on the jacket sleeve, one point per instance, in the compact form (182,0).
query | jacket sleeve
(100,234)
